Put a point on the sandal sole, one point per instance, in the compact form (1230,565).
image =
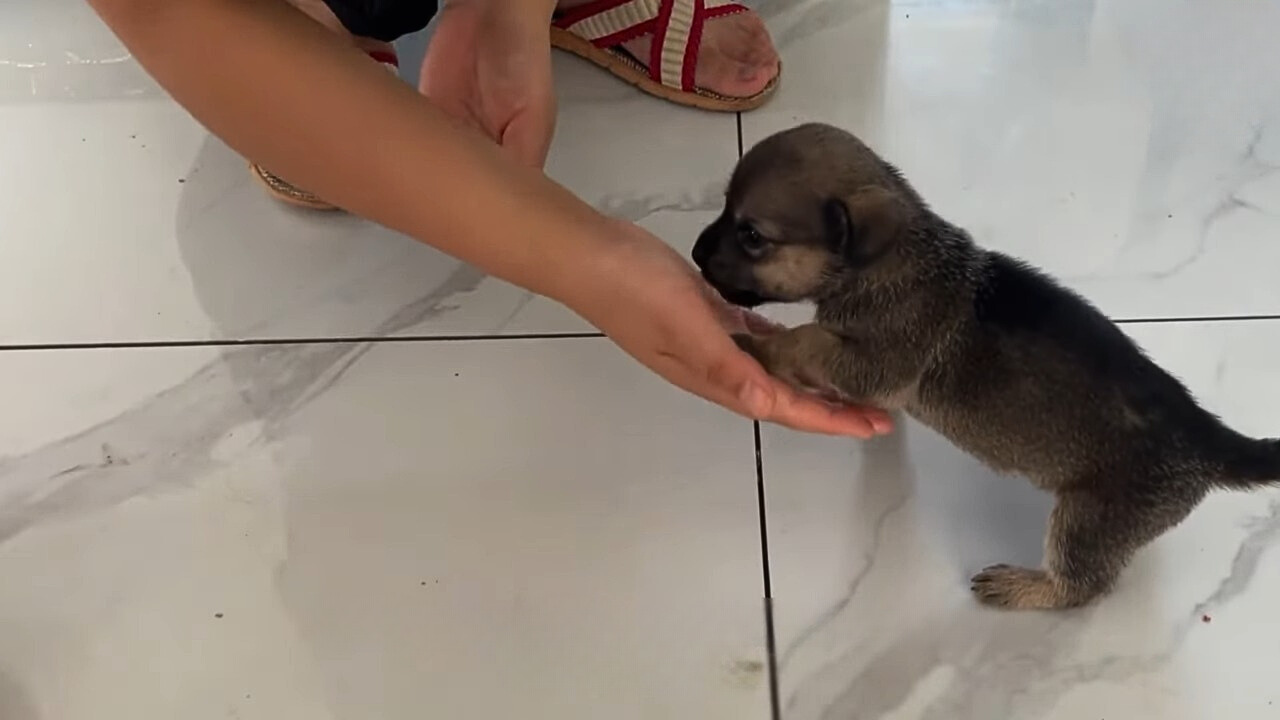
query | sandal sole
(286,193)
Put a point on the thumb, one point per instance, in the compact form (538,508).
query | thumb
(528,138)
(758,400)
(742,384)
(760,396)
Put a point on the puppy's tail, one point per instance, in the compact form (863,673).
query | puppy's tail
(1246,463)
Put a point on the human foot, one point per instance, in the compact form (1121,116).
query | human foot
(715,50)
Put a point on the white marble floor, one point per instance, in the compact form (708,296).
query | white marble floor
(256,463)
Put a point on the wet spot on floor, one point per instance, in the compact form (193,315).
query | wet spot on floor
(746,673)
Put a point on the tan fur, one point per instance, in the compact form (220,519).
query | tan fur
(793,271)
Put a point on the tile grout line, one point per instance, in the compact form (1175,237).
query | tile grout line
(482,337)
(1193,319)
(770,636)
(261,342)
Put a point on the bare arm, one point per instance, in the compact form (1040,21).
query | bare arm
(282,90)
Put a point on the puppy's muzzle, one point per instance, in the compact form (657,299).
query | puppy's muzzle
(704,256)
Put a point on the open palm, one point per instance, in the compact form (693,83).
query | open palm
(655,306)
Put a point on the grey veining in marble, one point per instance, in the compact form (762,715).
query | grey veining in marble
(1126,146)
(341,529)
(173,240)
(873,611)
(338,529)
(142,450)
(979,666)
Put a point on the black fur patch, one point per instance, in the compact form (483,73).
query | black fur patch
(1015,298)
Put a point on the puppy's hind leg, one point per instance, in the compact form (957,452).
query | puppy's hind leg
(1090,540)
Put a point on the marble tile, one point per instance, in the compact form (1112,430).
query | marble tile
(511,528)
(871,547)
(137,225)
(1130,147)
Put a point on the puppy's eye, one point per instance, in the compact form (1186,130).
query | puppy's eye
(751,241)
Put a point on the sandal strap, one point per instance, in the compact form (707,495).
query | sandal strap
(386,57)
(676,26)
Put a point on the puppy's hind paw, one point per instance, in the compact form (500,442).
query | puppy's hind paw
(1016,588)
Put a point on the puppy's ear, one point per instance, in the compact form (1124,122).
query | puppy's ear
(863,227)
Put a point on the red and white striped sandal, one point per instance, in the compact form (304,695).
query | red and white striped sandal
(287,192)
(595,31)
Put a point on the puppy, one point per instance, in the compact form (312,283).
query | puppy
(1020,372)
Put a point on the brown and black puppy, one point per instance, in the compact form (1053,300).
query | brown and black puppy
(1013,368)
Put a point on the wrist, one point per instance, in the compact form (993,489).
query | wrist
(581,263)
(598,265)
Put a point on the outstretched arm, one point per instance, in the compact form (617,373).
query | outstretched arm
(281,89)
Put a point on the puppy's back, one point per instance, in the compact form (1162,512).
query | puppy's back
(1047,384)
(1021,305)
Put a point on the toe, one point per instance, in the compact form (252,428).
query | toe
(1006,586)
(737,57)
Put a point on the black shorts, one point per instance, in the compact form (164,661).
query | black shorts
(386,20)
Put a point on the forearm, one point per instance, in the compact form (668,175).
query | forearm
(282,90)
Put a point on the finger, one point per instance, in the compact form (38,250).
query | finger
(724,375)
(732,320)
(528,137)
(725,380)
(719,371)
(761,396)
(737,319)
(731,317)
(800,411)
(740,384)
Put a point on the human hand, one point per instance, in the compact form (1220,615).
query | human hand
(489,65)
(656,307)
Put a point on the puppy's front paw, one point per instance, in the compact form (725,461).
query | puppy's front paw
(1016,588)
(750,345)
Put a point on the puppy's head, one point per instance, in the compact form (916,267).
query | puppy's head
(806,209)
